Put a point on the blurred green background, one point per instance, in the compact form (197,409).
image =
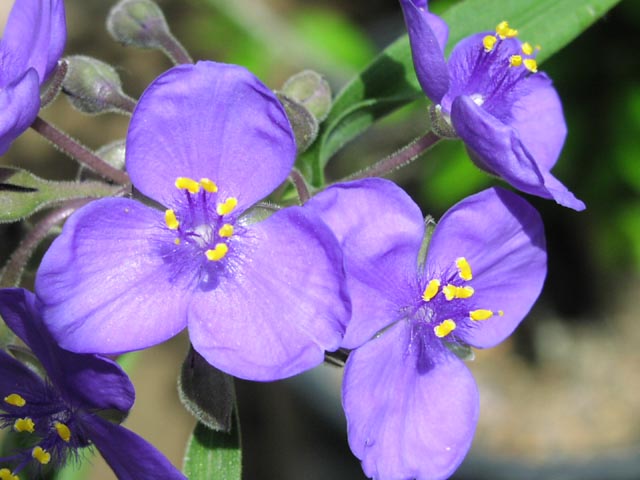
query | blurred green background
(561,397)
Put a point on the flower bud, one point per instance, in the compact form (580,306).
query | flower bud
(137,22)
(94,87)
(312,91)
(303,122)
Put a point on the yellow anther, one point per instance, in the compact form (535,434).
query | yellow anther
(527,49)
(531,65)
(464,269)
(227,207)
(431,290)
(501,313)
(480,314)
(63,431)
(188,184)
(218,252)
(515,60)
(15,400)
(226,230)
(505,31)
(489,42)
(41,455)
(445,328)
(208,185)
(177,241)
(24,425)
(451,292)
(171,220)
(5,474)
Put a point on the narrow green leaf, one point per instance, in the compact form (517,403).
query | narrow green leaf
(389,81)
(212,454)
(22,193)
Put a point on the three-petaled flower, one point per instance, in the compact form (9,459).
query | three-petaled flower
(262,299)
(411,404)
(64,412)
(492,96)
(31,46)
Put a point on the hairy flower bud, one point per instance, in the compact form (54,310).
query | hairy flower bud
(303,122)
(137,22)
(94,87)
(311,90)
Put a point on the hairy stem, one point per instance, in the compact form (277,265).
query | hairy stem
(301,185)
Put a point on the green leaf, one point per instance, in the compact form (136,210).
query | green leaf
(22,193)
(212,454)
(389,81)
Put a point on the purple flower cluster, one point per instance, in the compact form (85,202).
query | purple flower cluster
(265,292)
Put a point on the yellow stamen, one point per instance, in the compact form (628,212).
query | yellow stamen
(445,328)
(527,49)
(24,425)
(515,60)
(63,431)
(208,185)
(188,184)
(15,400)
(226,230)
(431,290)
(218,252)
(531,65)
(41,455)
(5,474)
(489,42)
(504,31)
(464,269)
(480,314)
(171,220)
(177,241)
(451,292)
(228,206)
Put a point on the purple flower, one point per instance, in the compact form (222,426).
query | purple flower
(411,403)
(262,300)
(492,96)
(65,411)
(33,41)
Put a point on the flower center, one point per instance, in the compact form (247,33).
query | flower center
(203,223)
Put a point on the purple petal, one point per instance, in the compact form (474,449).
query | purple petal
(105,284)
(428,35)
(380,230)
(19,106)
(210,120)
(283,305)
(33,38)
(16,377)
(497,148)
(404,424)
(539,121)
(129,456)
(85,380)
(502,238)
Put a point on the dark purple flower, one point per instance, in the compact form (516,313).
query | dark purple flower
(262,300)
(65,411)
(492,96)
(411,403)
(32,44)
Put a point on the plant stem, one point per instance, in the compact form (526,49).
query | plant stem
(398,159)
(13,270)
(78,151)
(174,49)
(301,185)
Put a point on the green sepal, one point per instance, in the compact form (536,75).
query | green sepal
(304,124)
(206,392)
(22,193)
(212,454)
(429,227)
